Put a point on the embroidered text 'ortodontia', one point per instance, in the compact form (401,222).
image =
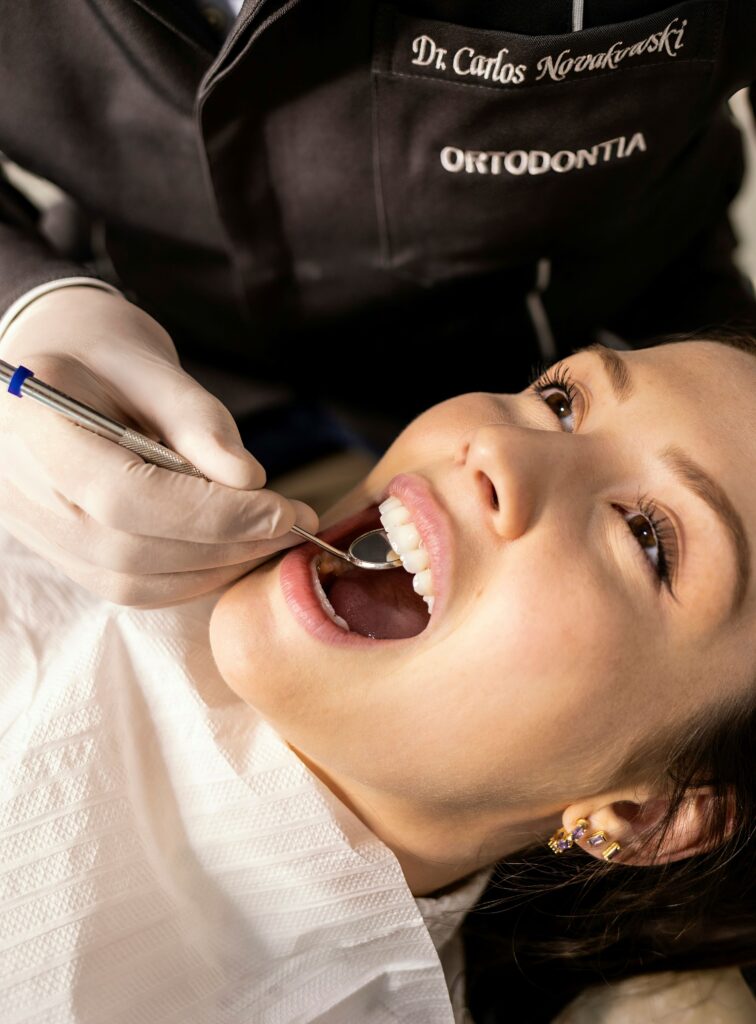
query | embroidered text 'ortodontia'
(539,161)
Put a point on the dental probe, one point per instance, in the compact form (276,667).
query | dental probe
(374,547)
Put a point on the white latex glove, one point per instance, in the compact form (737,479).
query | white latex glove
(129,531)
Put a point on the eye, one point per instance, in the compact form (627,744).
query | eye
(557,390)
(655,534)
(656,537)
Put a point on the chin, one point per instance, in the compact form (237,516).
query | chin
(241,629)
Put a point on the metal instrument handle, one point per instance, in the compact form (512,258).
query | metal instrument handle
(156,453)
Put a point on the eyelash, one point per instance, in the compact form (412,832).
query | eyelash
(558,378)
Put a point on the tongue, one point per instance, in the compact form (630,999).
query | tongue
(379,604)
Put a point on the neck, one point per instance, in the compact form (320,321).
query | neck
(435,851)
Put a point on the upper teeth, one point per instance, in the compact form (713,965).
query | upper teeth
(408,545)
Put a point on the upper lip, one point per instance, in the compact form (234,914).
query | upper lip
(434,526)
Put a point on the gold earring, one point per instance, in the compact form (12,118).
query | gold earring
(598,839)
(562,840)
(579,829)
(611,851)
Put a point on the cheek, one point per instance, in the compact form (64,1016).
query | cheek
(531,670)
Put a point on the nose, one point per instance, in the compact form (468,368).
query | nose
(510,468)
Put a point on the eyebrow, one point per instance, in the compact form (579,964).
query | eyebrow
(693,476)
(616,370)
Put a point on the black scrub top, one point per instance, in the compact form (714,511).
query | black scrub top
(427,180)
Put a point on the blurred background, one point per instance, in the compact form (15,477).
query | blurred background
(744,208)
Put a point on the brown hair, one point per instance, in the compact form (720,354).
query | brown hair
(546,926)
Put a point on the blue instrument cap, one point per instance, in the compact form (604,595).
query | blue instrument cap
(19,376)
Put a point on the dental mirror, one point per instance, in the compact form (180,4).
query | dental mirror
(371,550)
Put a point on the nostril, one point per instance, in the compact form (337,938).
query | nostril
(489,487)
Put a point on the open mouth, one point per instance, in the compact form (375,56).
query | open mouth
(381,605)
(341,605)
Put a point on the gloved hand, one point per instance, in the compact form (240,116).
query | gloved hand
(131,532)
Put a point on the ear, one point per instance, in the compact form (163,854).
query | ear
(627,817)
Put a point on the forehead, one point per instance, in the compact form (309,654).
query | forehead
(703,384)
(696,364)
(697,356)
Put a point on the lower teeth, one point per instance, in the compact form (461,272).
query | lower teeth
(341,623)
(328,564)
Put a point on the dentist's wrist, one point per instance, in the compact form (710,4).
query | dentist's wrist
(25,300)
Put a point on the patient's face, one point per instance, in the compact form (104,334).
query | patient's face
(554,646)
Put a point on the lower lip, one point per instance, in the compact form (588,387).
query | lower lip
(296,584)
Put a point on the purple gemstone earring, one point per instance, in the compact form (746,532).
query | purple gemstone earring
(562,840)
(581,827)
(596,838)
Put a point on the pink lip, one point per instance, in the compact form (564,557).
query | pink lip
(433,525)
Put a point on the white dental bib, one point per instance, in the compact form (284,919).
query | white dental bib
(165,858)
